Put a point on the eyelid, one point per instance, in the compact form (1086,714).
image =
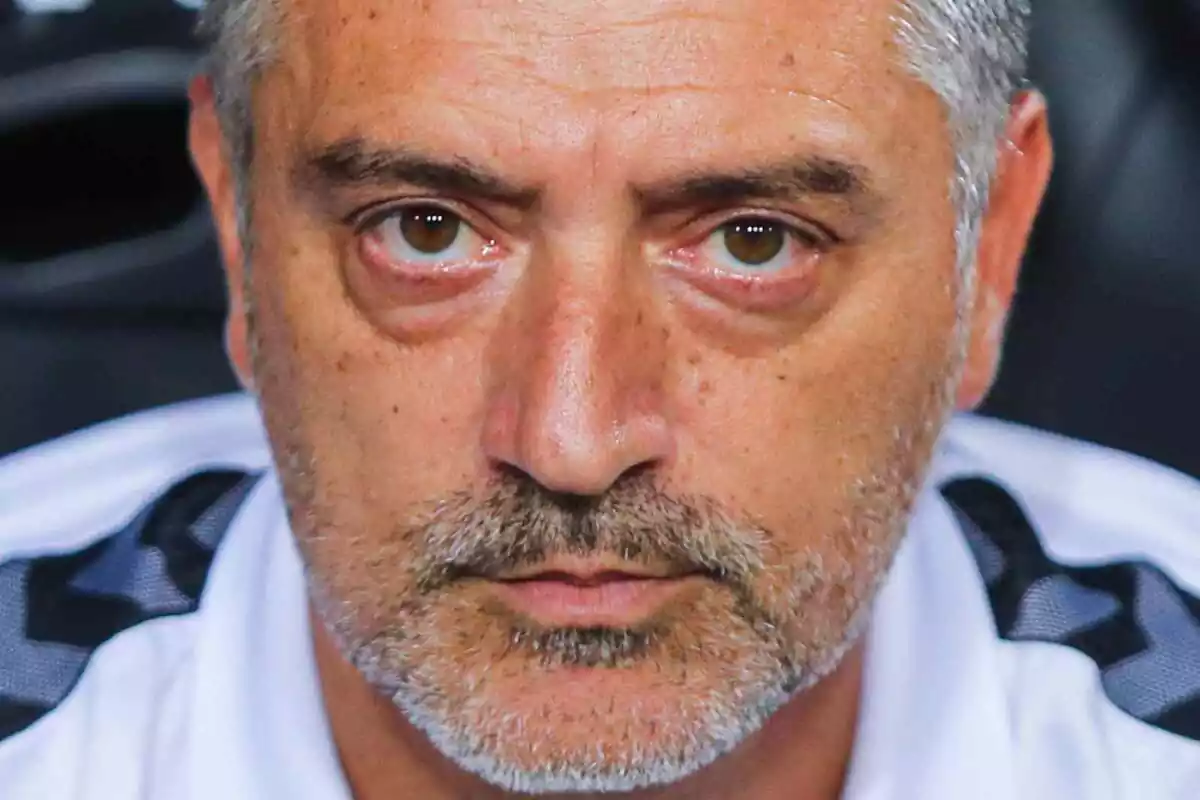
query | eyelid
(371,215)
(813,234)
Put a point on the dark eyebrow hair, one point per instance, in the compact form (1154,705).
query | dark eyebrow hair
(350,163)
(795,179)
(353,162)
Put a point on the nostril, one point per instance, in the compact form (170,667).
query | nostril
(573,503)
(527,486)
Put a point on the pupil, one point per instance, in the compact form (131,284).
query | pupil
(429,230)
(754,241)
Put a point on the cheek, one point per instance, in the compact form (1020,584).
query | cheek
(366,428)
(797,438)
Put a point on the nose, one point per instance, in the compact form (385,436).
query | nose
(580,359)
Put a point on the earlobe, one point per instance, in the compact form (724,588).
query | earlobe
(210,159)
(1021,175)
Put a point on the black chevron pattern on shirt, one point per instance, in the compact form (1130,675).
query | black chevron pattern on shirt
(55,611)
(1139,627)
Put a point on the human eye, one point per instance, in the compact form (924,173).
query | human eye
(754,260)
(414,236)
(757,244)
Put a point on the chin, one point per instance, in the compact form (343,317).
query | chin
(531,724)
(535,708)
(589,729)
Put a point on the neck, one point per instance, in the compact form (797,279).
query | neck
(802,753)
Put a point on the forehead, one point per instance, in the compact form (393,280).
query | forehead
(653,82)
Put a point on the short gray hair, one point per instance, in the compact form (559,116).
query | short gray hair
(971,53)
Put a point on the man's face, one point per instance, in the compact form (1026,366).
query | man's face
(551,295)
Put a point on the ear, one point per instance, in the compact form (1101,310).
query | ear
(211,160)
(1022,172)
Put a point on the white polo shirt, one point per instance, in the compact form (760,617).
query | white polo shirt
(1038,637)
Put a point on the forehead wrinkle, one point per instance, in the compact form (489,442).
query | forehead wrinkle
(489,134)
(617,91)
(653,19)
(490,117)
(698,34)
(425,47)
(416,38)
(618,94)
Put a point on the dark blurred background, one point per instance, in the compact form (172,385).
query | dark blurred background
(110,290)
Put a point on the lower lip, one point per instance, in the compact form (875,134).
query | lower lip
(610,604)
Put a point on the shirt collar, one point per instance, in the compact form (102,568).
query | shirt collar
(260,724)
(933,722)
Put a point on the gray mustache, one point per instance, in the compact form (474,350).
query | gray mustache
(519,524)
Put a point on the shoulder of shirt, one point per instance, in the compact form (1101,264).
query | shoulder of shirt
(1090,563)
(67,493)
(1092,504)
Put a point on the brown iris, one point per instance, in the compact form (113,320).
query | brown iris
(429,229)
(754,241)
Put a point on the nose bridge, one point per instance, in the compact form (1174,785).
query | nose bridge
(579,404)
(569,397)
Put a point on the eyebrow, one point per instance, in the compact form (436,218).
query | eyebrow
(795,180)
(352,163)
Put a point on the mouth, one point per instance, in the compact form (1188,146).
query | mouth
(587,594)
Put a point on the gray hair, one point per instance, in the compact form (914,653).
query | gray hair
(971,53)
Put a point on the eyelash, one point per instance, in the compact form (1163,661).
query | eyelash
(363,219)
(809,234)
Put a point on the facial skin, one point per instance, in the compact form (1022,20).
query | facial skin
(584,376)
